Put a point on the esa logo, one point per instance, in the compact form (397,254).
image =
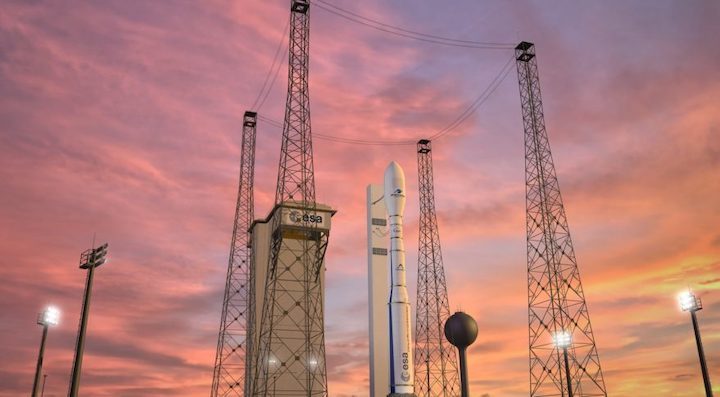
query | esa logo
(405,361)
(297,217)
(405,375)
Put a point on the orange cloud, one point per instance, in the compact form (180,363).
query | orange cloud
(124,120)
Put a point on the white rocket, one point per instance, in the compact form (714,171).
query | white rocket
(401,355)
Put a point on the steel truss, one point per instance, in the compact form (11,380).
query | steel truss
(229,371)
(556,301)
(436,368)
(290,358)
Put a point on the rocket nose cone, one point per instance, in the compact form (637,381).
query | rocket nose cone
(395,173)
(394,189)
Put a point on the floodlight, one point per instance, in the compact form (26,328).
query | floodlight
(562,339)
(312,363)
(689,302)
(50,316)
(94,257)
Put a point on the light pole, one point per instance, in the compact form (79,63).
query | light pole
(49,317)
(689,302)
(563,339)
(89,260)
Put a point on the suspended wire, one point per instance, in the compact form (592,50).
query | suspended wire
(273,70)
(474,105)
(275,75)
(351,141)
(398,31)
(269,121)
(332,138)
(479,101)
(488,43)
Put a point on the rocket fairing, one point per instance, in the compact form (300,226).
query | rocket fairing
(401,354)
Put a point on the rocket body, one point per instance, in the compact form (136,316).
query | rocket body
(401,354)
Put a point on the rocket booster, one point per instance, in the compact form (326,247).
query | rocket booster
(401,355)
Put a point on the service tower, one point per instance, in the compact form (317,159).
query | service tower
(288,359)
(287,335)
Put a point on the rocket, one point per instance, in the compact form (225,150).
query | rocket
(401,355)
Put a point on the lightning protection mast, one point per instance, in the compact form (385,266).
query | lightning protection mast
(563,356)
(290,359)
(229,371)
(436,369)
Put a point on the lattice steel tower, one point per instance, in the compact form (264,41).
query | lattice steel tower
(556,302)
(290,358)
(436,369)
(229,372)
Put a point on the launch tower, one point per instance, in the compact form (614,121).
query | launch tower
(563,357)
(436,369)
(288,341)
(229,370)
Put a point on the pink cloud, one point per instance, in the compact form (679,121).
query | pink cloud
(125,120)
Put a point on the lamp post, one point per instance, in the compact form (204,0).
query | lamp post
(689,302)
(461,331)
(49,317)
(563,340)
(89,260)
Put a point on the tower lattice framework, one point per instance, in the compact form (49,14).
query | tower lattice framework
(290,358)
(229,371)
(556,302)
(436,368)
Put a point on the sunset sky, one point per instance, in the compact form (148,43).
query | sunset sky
(123,118)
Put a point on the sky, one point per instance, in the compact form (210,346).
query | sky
(122,119)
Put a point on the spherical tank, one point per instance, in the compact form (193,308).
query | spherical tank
(461,330)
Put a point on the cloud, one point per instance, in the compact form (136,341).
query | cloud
(124,120)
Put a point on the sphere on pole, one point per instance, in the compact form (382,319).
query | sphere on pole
(461,330)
